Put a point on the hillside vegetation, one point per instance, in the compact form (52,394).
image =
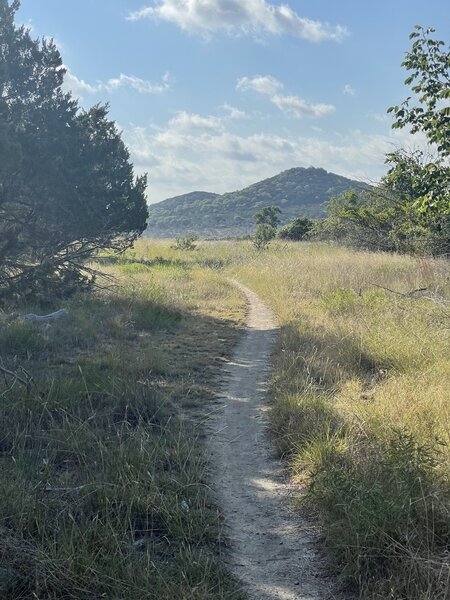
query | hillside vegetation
(296,191)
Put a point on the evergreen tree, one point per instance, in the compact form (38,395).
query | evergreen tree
(67,187)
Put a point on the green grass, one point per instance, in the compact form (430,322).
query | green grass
(104,483)
(360,403)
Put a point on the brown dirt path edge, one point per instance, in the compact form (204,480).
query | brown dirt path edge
(271,551)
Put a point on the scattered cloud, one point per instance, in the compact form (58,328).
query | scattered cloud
(263,84)
(380,117)
(299,108)
(206,17)
(81,88)
(193,124)
(349,90)
(233,112)
(141,85)
(289,104)
(77,86)
(201,152)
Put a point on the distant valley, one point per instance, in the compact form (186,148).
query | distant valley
(298,191)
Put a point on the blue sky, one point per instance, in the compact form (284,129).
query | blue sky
(217,94)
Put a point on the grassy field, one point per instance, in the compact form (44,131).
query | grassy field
(361,408)
(104,487)
(104,482)
(360,403)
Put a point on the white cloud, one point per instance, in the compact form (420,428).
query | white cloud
(349,90)
(193,124)
(200,152)
(233,112)
(299,108)
(263,84)
(206,17)
(81,88)
(291,105)
(77,86)
(141,85)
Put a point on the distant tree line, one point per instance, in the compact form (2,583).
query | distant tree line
(67,187)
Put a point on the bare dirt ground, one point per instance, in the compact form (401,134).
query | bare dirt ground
(271,551)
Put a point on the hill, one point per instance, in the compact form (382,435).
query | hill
(298,191)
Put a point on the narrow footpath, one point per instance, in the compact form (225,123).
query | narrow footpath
(271,550)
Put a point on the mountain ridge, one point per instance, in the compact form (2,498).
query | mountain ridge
(297,191)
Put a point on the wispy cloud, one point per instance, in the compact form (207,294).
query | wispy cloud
(206,17)
(289,104)
(191,123)
(299,108)
(81,88)
(233,112)
(141,85)
(78,86)
(263,84)
(349,90)
(380,117)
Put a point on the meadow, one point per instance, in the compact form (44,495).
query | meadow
(105,481)
(360,408)
(360,403)
(104,485)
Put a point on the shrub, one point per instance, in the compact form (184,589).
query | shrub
(185,243)
(296,230)
(264,234)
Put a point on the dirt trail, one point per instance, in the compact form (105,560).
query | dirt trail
(271,552)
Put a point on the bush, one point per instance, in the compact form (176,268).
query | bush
(185,243)
(384,219)
(264,234)
(296,230)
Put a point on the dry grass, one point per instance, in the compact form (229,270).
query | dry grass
(104,484)
(361,407)
(361,412)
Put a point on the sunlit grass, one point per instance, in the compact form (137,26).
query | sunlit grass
(361,413)
(361,407)
(360,398)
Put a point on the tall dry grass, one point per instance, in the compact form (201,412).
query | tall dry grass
(361,407)
(360,402)
(360,410)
